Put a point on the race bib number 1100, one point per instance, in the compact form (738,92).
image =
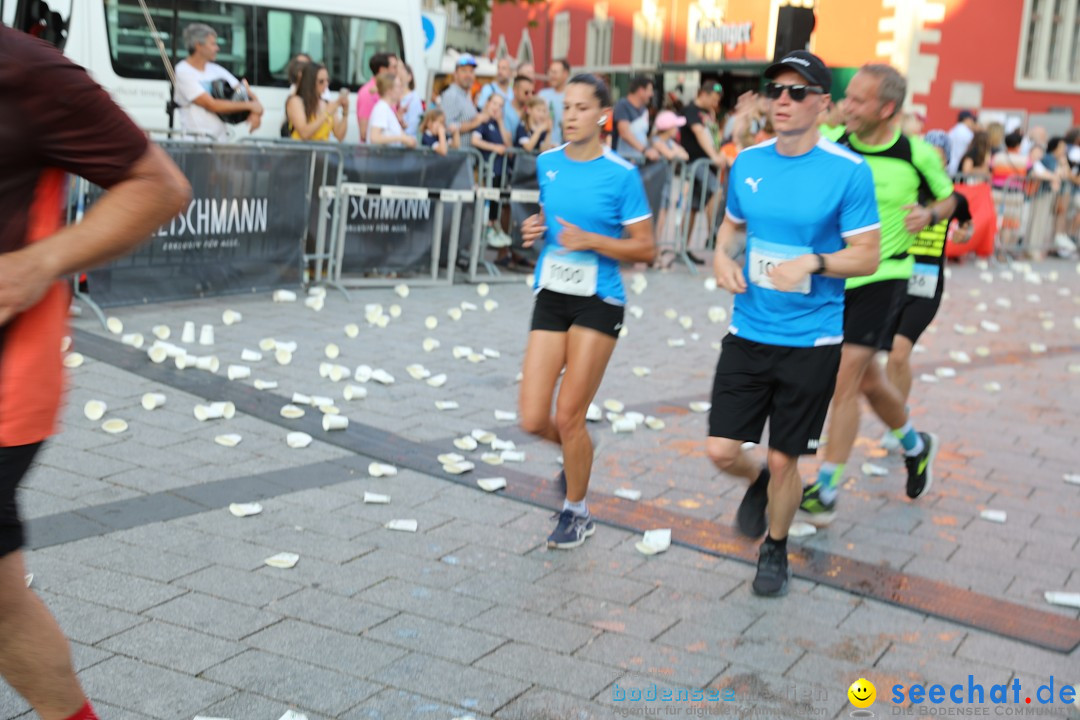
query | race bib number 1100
(570,274)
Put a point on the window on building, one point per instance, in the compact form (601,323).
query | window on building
(134,53)
(648,35)
(1049,46)
(560,36)
(598,38)
(343,44)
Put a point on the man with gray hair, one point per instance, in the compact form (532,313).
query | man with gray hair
(195,77)
(913,193)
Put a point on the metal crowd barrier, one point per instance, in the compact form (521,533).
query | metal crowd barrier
(696,180)
(326,191)
(442,196)
(1028,209)
(497,190)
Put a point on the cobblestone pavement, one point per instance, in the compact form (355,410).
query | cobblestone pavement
(174,614)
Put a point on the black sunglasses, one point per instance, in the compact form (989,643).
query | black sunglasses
(797,93)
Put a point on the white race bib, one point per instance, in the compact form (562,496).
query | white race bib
(765,255)
(570,274)
(924,280)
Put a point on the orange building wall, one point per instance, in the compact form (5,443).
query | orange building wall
(966,31)
(846,33)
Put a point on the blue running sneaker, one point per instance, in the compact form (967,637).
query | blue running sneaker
(571,530)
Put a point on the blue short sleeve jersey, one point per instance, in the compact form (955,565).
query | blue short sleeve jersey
(793,206)
(601,196)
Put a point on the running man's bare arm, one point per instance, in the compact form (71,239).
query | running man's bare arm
(154,191)
(729,274)
(859,258)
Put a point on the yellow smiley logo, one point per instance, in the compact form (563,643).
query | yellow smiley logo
(862,693)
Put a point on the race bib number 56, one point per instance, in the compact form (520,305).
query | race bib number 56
(570,274)
(764,256)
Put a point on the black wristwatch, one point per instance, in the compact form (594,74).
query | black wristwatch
(820,264)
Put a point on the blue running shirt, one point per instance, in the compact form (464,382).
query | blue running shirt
(793,206)
(599,196)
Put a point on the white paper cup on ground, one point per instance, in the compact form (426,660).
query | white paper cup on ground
(352,330)
(210,363)
(250,355)
(628,494)
(315,303)
(354,392)
(229,440)
(245,509)
(403,525)
(73,360)
(188,333)
(267,344)
(157,354)
(363,373)
(654,541)
(491,484)
(283,561)
(206,335)
(334,422)
(134,340)
(239,372)
(289,346)
(151,401)
(371,498)
(161,332)
(292,412)
(265,384)
(338,373)
(298,440)
(114,426)
(283,296)
(321,401)
(282,356)
(95,409)
(114,325)
(332,351)
(377,469)
(231,317)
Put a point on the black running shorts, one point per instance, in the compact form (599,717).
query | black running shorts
(916,315)
(14,462)
(791,387)
(556,312)
(871,313)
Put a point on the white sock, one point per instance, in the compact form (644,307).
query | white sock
(578,508)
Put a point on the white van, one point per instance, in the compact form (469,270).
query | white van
(112,40)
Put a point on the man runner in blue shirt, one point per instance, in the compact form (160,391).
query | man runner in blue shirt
(811,220)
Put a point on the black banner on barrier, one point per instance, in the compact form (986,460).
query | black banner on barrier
(391,234)
(241,233)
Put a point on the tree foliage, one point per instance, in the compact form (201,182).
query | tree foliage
(476,11)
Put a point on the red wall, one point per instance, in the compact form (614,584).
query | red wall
(981,46)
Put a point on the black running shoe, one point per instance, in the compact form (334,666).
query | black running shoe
(920,475)
(750,518)
(773,572)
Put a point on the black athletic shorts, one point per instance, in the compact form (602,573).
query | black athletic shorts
(791,387)
(556,312)
(871,313)
(14,462)
(916,315)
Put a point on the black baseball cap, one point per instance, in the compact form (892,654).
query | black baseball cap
(806,64)
(966,115)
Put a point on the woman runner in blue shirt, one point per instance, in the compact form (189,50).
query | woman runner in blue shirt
(593,215)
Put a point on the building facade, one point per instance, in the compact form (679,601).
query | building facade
(1014,58)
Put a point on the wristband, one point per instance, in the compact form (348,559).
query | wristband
(933,216)
(820,264)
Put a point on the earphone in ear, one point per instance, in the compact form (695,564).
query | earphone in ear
(602,120)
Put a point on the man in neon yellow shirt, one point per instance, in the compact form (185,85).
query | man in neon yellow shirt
(901,166)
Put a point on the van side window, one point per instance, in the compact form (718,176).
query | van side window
(343,44)
(135,55)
